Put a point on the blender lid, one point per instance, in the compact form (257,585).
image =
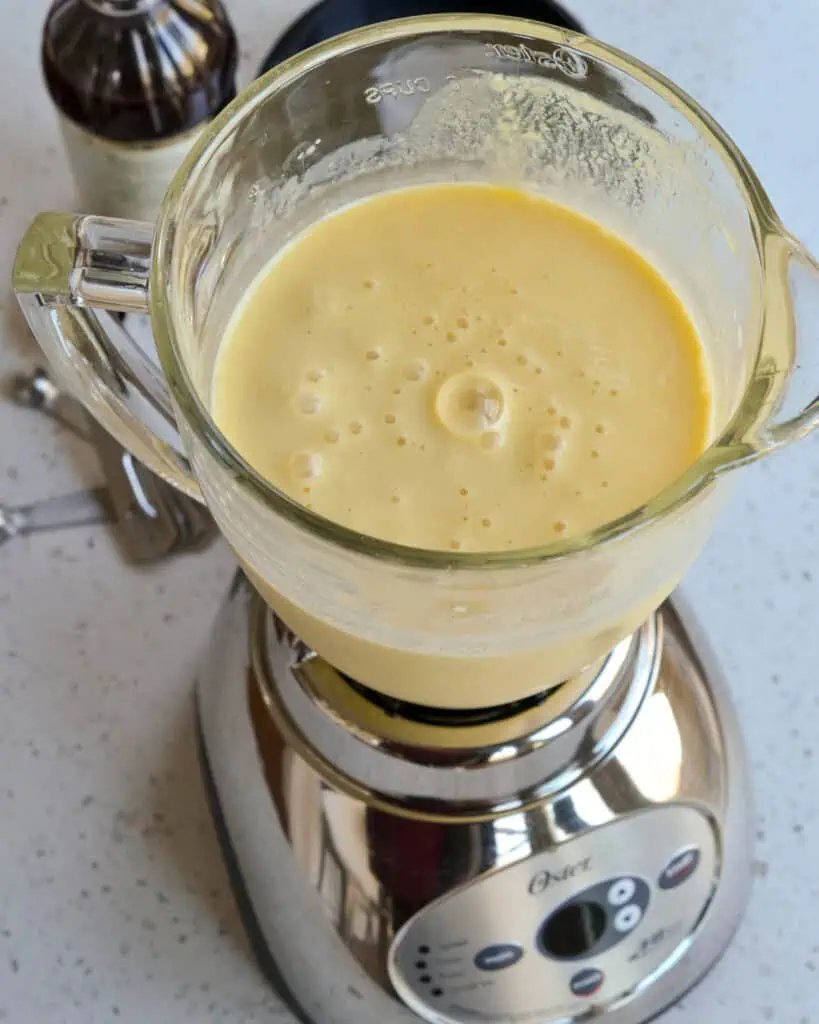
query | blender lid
(332,17)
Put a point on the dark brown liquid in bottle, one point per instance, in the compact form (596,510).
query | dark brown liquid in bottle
(139,70)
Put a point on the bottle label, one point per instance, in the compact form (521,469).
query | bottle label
(116,179)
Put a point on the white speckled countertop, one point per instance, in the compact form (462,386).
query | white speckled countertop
(114,905)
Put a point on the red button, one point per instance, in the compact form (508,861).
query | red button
(680,868)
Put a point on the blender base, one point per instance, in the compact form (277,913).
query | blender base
(605,875)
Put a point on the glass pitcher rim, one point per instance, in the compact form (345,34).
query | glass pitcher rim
(726,448)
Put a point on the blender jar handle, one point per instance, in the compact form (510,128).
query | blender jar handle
(70,274)
(791,312)
(799,313)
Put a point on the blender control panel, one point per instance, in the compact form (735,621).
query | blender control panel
(563,931)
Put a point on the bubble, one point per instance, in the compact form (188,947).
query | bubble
(552,411)
(544,477)
(605,483)
(332,437)
(372,354)
(486,521)
(565,422)
(522,360)
(306,465)
(503,342)
(395,499)
(417,370)
(369,283)
(613,392)
(596,383)
(356,427)
(551,442)
(401,441)
(600,428)
(491,441)
(429,320)
(389,418)
(314,376)
(463,492)
(309,403)
(451,336)
(469,404)
(549,464)
(561,526)
(462,322)
(455,545)
(538,369)
(595,454)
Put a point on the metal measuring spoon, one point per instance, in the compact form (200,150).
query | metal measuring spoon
(82,508)
(153,519)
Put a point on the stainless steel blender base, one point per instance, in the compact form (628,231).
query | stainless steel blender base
(501,870)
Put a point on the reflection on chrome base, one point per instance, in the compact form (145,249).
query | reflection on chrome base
(588,851)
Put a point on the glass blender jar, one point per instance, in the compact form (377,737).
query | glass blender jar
(439,98)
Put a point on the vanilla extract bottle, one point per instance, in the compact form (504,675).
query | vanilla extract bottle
(134,83)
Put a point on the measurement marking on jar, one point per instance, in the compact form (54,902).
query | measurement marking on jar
(406,87)
(564,59)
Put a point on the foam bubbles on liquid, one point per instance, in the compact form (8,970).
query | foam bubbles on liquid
(306,465)
(372,355)
(470,404)
(416,370)
(309,403)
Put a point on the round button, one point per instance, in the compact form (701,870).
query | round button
(621,892)
(495,958)
(680,868)
(573,930)
(586,982)
(627,918)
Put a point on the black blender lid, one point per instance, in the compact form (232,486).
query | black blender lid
(332,17)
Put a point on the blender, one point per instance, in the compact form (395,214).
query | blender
(454,787)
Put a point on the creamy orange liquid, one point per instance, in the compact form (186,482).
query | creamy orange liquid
(463,367)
